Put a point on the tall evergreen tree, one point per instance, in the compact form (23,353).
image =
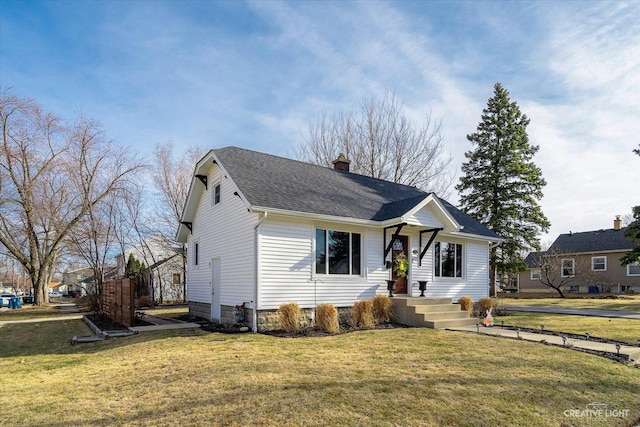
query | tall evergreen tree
(632,232)
(501,186)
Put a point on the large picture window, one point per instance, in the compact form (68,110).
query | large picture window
(633,269)
(338,252)
(448,259)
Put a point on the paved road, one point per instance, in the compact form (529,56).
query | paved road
(576,311)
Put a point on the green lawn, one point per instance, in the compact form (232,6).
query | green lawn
(396,377)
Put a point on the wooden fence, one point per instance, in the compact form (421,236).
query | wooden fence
(118,301)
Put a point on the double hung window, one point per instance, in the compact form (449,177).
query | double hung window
(448,259)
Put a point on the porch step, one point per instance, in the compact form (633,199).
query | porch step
(435,313)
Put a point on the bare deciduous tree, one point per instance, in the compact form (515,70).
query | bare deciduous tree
(172,176)
(383,143)
(51,176)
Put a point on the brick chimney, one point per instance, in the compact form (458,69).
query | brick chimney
(617,223)
(341,163)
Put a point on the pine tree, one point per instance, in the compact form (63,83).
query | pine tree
(501,186)
(632,232)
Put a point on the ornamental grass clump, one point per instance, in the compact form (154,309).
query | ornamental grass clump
(327,318)
(466,304)
(382,308)
(362,314)
(290,317)
(484,304)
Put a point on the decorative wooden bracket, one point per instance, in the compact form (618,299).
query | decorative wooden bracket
(434,233)
(203,179)
(187,224)
(393,238)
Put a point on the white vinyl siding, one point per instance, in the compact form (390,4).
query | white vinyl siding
(225,231)
(287,254)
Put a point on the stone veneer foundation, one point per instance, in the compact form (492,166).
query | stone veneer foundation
(268,320)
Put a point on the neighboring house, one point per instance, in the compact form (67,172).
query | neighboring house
(583,262)
(58,287)
(264,230)
(80,282)
(165,275)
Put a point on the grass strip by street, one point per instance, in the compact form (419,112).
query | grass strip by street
(622,303)
(623,330)
(28,311)
(417,377)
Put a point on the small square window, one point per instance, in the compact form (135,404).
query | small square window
(535,274)
(599,263)
(176,278)
(574,288)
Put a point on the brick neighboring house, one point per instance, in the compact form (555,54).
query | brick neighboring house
(584,262)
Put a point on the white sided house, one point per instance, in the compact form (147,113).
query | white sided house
(264,230)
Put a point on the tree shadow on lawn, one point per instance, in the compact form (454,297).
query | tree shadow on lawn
(54,337)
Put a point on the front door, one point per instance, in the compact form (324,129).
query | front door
(215,289)
(400,246)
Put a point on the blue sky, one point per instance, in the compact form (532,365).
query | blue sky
(255,74)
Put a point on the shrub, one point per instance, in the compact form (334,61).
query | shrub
(382,308)
(484,304)
(145,301)
(327,318)
(289,316)
(362,316)
(466,304)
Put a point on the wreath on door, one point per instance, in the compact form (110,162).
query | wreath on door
(401,265)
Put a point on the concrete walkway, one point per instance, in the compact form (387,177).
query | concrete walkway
(628,352)
(575,311)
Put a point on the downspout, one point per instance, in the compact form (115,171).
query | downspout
(254,329)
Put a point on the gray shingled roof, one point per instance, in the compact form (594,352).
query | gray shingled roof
(592,241)
(533,259)
(275,182)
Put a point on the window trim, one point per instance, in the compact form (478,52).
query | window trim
(593,258)
(437,263)
(217,186)
(637,264)
(326,251)
(539,270)
(573,267)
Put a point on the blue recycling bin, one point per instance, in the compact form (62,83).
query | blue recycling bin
(18,303)
(1,302)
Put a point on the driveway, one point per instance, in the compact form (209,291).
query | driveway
(575,311)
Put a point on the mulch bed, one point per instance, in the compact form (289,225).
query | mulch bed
(105,323)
